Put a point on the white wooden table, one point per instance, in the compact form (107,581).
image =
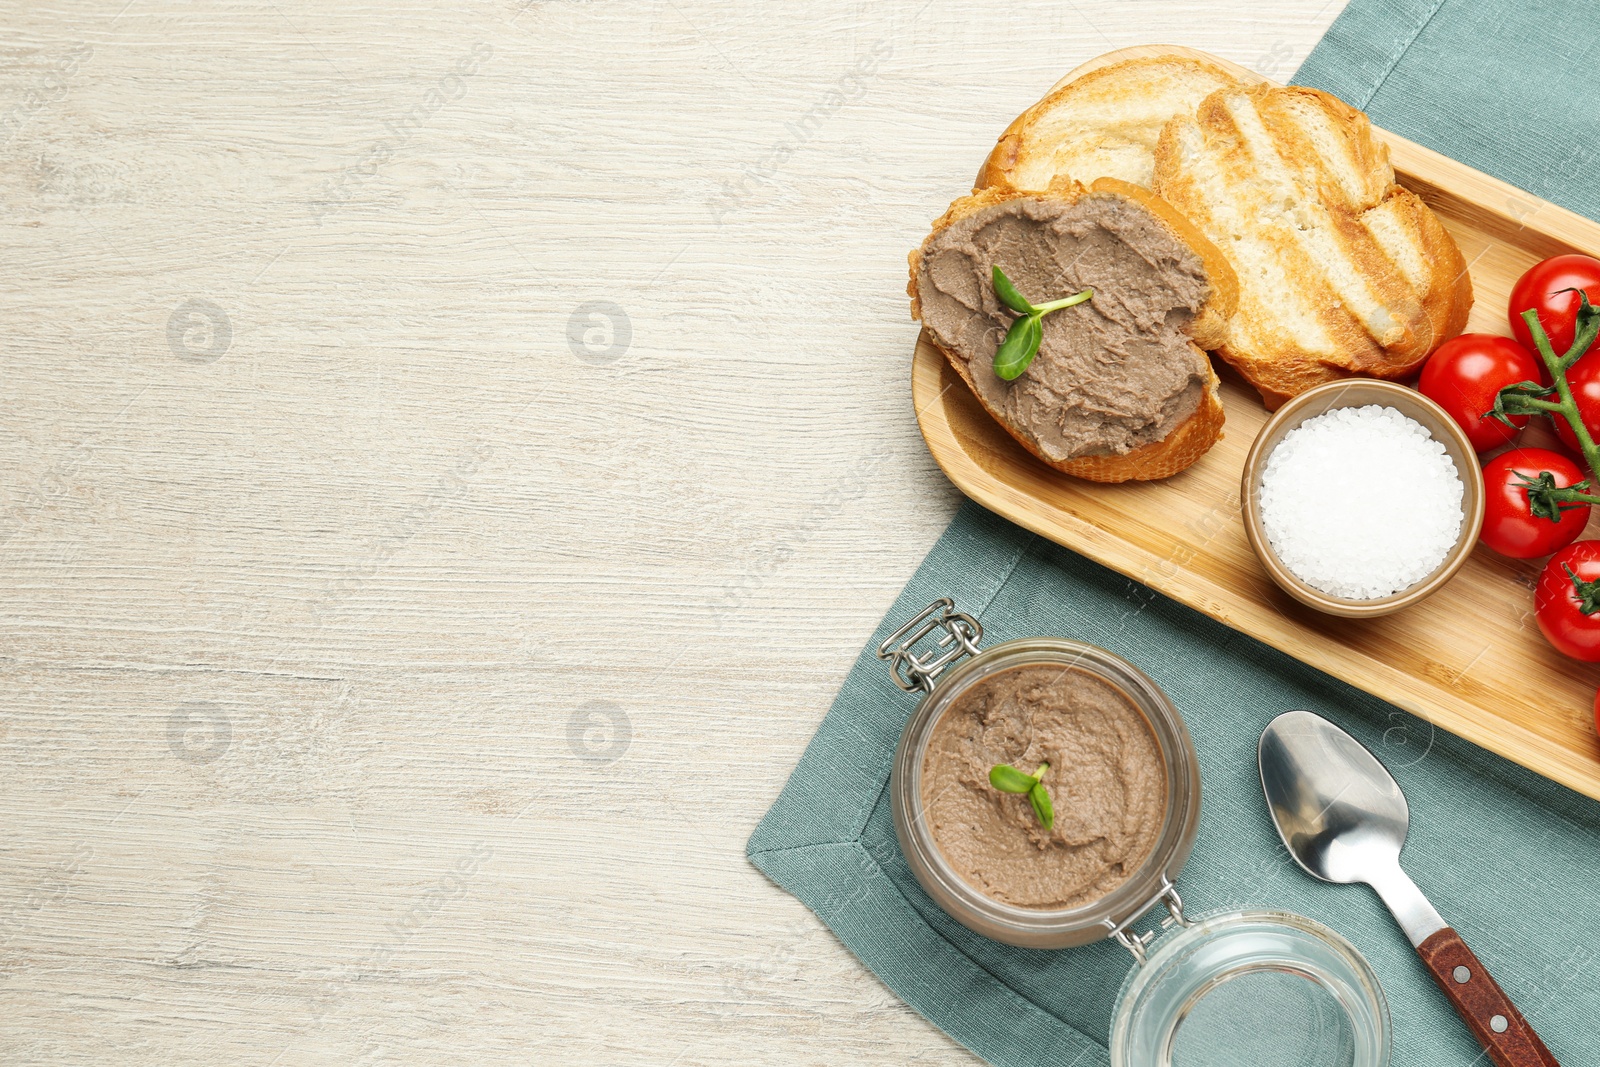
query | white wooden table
(448,461)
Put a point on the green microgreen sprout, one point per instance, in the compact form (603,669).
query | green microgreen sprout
(1008,779)
(1021,343)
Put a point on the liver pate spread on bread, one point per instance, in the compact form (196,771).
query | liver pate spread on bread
(1112,375)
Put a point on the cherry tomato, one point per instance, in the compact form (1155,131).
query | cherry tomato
(1541,290)
(1584,377)
(1464,374)
(1569,584)
(1509,526)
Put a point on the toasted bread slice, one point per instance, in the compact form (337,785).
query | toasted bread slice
(1341,271)
(1119,390)
(1103,124)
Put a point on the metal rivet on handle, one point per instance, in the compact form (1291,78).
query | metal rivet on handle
(1462,975)
(1498,1024)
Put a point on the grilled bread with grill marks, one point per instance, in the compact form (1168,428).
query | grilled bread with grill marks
(1341,272)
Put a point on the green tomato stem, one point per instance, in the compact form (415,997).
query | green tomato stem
(1531,403)
(1582,338)
(1558,367)
(1588,593)
(1546,500)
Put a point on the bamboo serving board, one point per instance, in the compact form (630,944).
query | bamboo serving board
(1470,659)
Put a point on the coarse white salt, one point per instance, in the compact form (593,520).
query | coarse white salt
(1361,502)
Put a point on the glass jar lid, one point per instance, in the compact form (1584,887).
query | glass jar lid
(1251,989)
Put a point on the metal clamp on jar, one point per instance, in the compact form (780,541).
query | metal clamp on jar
(1239,986)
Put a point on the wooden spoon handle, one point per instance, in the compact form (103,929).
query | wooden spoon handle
(1489,1013)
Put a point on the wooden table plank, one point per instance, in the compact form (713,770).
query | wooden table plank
(320,636)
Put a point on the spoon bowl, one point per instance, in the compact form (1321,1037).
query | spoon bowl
(1338,810)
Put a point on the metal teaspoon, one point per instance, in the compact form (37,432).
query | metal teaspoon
(1344,819)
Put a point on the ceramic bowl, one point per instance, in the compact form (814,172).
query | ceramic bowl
(1355,393)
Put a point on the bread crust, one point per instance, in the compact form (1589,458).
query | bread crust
(1448,298)
(1190,439)
(1129,80)
(1178,451)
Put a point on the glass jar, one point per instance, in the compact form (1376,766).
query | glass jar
(1271,978)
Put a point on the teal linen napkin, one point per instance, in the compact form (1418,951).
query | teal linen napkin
(1508,857)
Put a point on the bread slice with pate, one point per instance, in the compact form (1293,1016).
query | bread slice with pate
(1120,388)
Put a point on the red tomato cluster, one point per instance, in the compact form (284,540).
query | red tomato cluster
(1526,514)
